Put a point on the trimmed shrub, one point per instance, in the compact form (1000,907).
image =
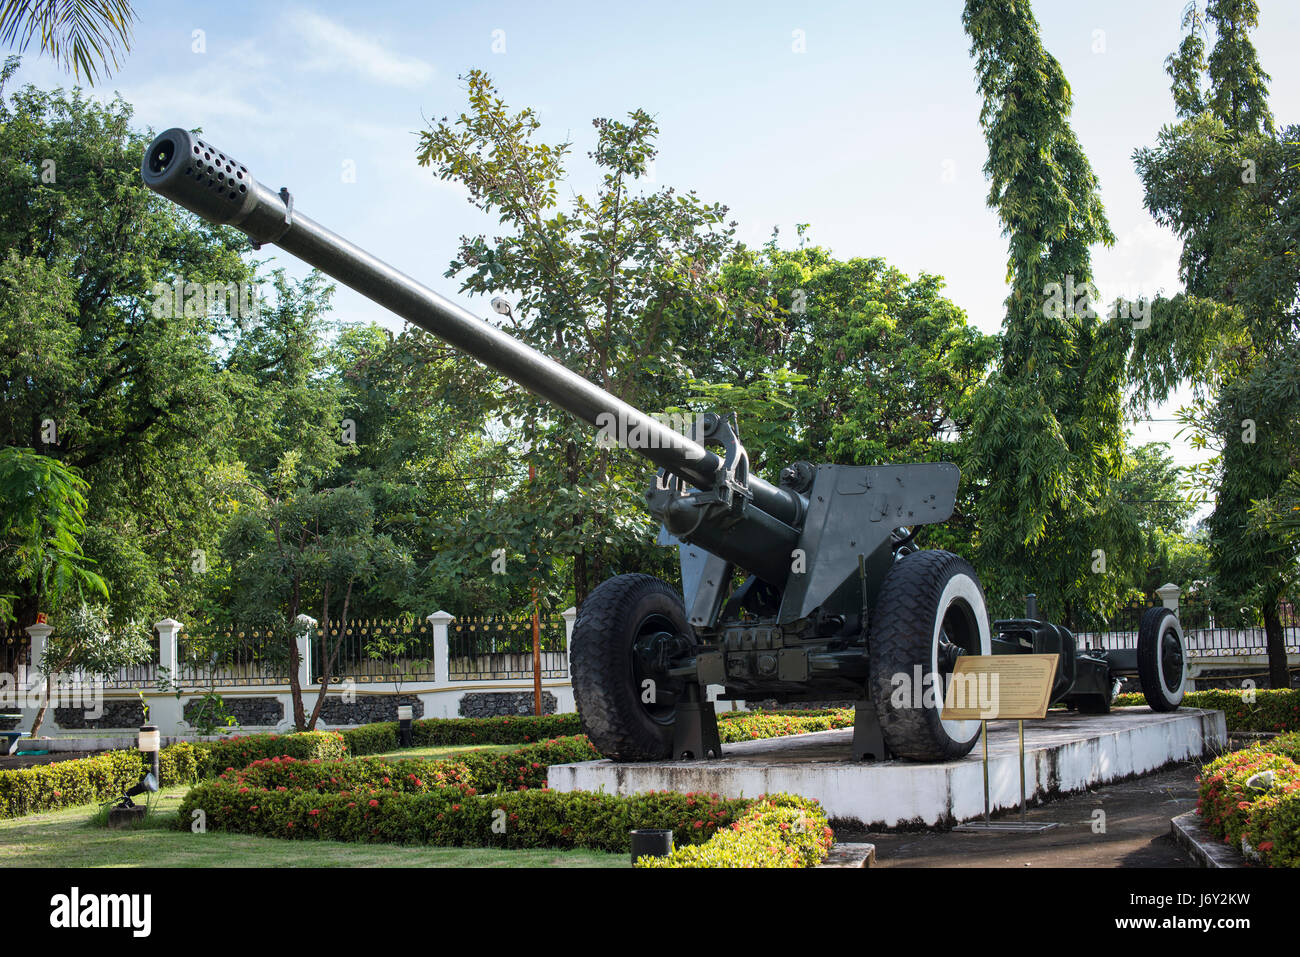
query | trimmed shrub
(92,780)
(751,726)
(1224,802)
(525,767)
(329,777)
(1285,744)
(371,738)
(450,816)
(1273,826)
(507,729)
(179,764)
(780,830)
(1272,710)
(241,751)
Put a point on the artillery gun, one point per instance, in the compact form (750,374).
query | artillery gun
(804,590)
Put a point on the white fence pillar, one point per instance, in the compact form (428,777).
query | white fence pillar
(166,711)
(570,618)
(1168,595)
(169,630)
(34,691)
(40,635)
(439,621)
(306,631)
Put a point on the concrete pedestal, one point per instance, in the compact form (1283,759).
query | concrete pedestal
(1065,752)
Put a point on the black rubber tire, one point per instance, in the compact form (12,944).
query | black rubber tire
(904,631)
(607,695)
(1159,635)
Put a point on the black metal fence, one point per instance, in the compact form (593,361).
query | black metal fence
(364,651)
(371,650)
(15,651)
(232,657)
(501,648)
(1204,635)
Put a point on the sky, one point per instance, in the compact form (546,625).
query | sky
(860,119)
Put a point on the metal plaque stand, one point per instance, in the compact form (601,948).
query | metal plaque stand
(986,825)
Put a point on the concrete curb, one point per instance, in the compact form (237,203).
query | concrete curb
(850,855)
(1188,832)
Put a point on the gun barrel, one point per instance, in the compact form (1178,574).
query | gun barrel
(196,175)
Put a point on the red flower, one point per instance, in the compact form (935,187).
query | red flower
(374,803)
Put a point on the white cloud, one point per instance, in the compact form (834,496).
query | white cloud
(232,85)
(331,46)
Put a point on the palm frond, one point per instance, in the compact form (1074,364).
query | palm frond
(80,35)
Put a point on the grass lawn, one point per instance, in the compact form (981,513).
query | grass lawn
(71,838)
(441,751)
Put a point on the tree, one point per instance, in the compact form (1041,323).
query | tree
(96,369)
(591,286)
(84,641)
(847,361)
(1045,437)
(301,552)
(42,519)
(1227,184)
(79,35)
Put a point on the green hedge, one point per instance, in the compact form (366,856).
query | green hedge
(780,830)
(751,726)
(371,738)
(450,816)
(348,775)
(381,737)
(242,750)
(1268,820)
(525,767)
(1272,709)
(92,780)
(484,771)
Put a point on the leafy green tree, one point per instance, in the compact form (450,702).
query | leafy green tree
(1045,437)
(846,361)
(93,371)
(84,641)
(307,552)
(42,519)
(591,286)
(1227,183)
(426,449)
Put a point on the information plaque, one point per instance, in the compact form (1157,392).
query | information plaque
(989,687)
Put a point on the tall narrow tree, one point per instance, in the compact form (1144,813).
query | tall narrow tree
(1229,187)
(1046,434)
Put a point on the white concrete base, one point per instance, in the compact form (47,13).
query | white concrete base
(1064,752)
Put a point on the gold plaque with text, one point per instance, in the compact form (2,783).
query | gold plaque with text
(986,687)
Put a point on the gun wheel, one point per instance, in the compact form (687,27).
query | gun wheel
(930,611)
(1162,659)
(629,629)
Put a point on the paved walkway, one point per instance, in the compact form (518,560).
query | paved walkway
(1137,815)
